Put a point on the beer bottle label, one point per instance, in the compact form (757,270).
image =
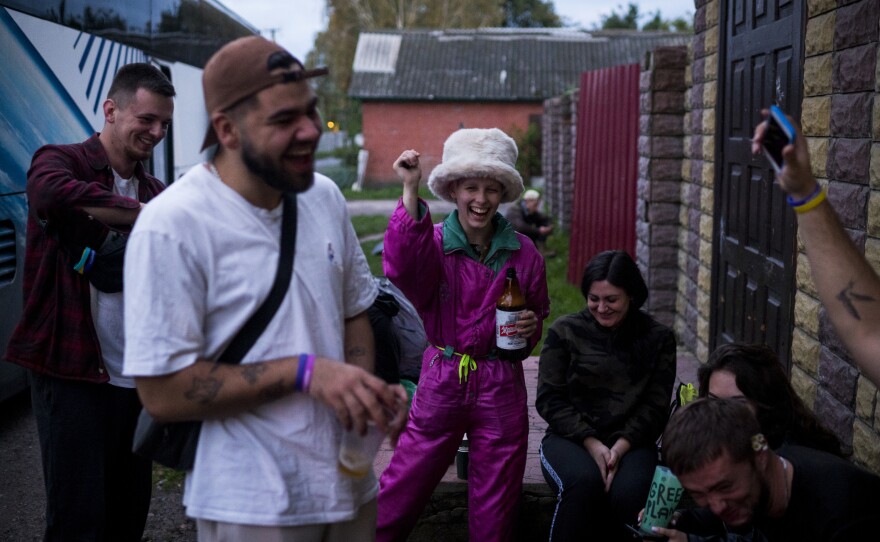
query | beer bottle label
(505,330)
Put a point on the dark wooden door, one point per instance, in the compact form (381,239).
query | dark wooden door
(755,237)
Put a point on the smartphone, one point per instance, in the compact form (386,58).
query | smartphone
(779,133)
(642,535)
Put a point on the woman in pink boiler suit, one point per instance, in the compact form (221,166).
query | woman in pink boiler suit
(454,272)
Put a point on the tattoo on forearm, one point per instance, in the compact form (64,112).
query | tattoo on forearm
(251,373)
(356,352)
(847,296)
(273,391)
(204,390)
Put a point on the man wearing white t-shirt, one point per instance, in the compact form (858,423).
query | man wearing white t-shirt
(202,260)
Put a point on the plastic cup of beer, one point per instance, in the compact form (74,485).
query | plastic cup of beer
(662,499)
(357,452)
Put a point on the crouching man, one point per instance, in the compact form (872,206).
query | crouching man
(716,449)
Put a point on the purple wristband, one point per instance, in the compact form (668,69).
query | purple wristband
(307,373)
(300,370)
(799,202)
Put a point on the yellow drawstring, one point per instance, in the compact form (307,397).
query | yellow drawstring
(465,365)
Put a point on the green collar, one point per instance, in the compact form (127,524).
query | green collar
(504,241)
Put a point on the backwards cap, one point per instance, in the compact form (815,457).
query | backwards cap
(244,67)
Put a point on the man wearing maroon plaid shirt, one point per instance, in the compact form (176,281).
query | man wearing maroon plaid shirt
(83,200)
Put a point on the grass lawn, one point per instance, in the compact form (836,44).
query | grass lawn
(391,192)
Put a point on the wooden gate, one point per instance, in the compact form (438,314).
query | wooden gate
(755,235)
(606,166)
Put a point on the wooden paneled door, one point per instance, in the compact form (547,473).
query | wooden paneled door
(755,248)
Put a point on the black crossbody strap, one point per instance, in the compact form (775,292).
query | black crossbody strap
(253,328)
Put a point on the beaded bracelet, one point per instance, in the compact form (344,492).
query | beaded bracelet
(811,203)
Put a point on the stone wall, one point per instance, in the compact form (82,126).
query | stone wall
(559,128)
(693,305)
(661,150)
(841,120)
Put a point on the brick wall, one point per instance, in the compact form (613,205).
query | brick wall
(559,131)
(697,195)
(841,120)
(390,128)
(661,150)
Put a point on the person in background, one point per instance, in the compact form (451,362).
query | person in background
(199,264)
(747,491)
(453,273)
(527,218)
(847,284)
(753,371)
(83,200)
(604,382)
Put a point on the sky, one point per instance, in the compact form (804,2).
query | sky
(295,23)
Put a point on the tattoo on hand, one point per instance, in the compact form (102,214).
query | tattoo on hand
(251,373)
(847,296)
(204,390)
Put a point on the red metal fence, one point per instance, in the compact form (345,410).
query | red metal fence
(606,166)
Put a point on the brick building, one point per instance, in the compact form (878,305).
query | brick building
(418,86)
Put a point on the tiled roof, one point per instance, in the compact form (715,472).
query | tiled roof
(496,64)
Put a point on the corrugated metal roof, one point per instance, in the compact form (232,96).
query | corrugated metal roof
(497,64)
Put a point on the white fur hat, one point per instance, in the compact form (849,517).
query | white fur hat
(482,153)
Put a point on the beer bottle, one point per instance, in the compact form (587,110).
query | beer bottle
(508,345)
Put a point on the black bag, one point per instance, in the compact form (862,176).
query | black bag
(174,444)
(170,444)
(102,267)
(105,273)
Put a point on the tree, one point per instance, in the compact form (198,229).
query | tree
(629,20)
(530,14)
(681,24)
(625,21)
(658,23)
(655,23)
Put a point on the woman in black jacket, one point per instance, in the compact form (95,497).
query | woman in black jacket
(604,382)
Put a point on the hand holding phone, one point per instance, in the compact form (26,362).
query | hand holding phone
(777,135)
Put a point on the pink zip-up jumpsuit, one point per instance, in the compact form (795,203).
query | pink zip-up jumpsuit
(455,296)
